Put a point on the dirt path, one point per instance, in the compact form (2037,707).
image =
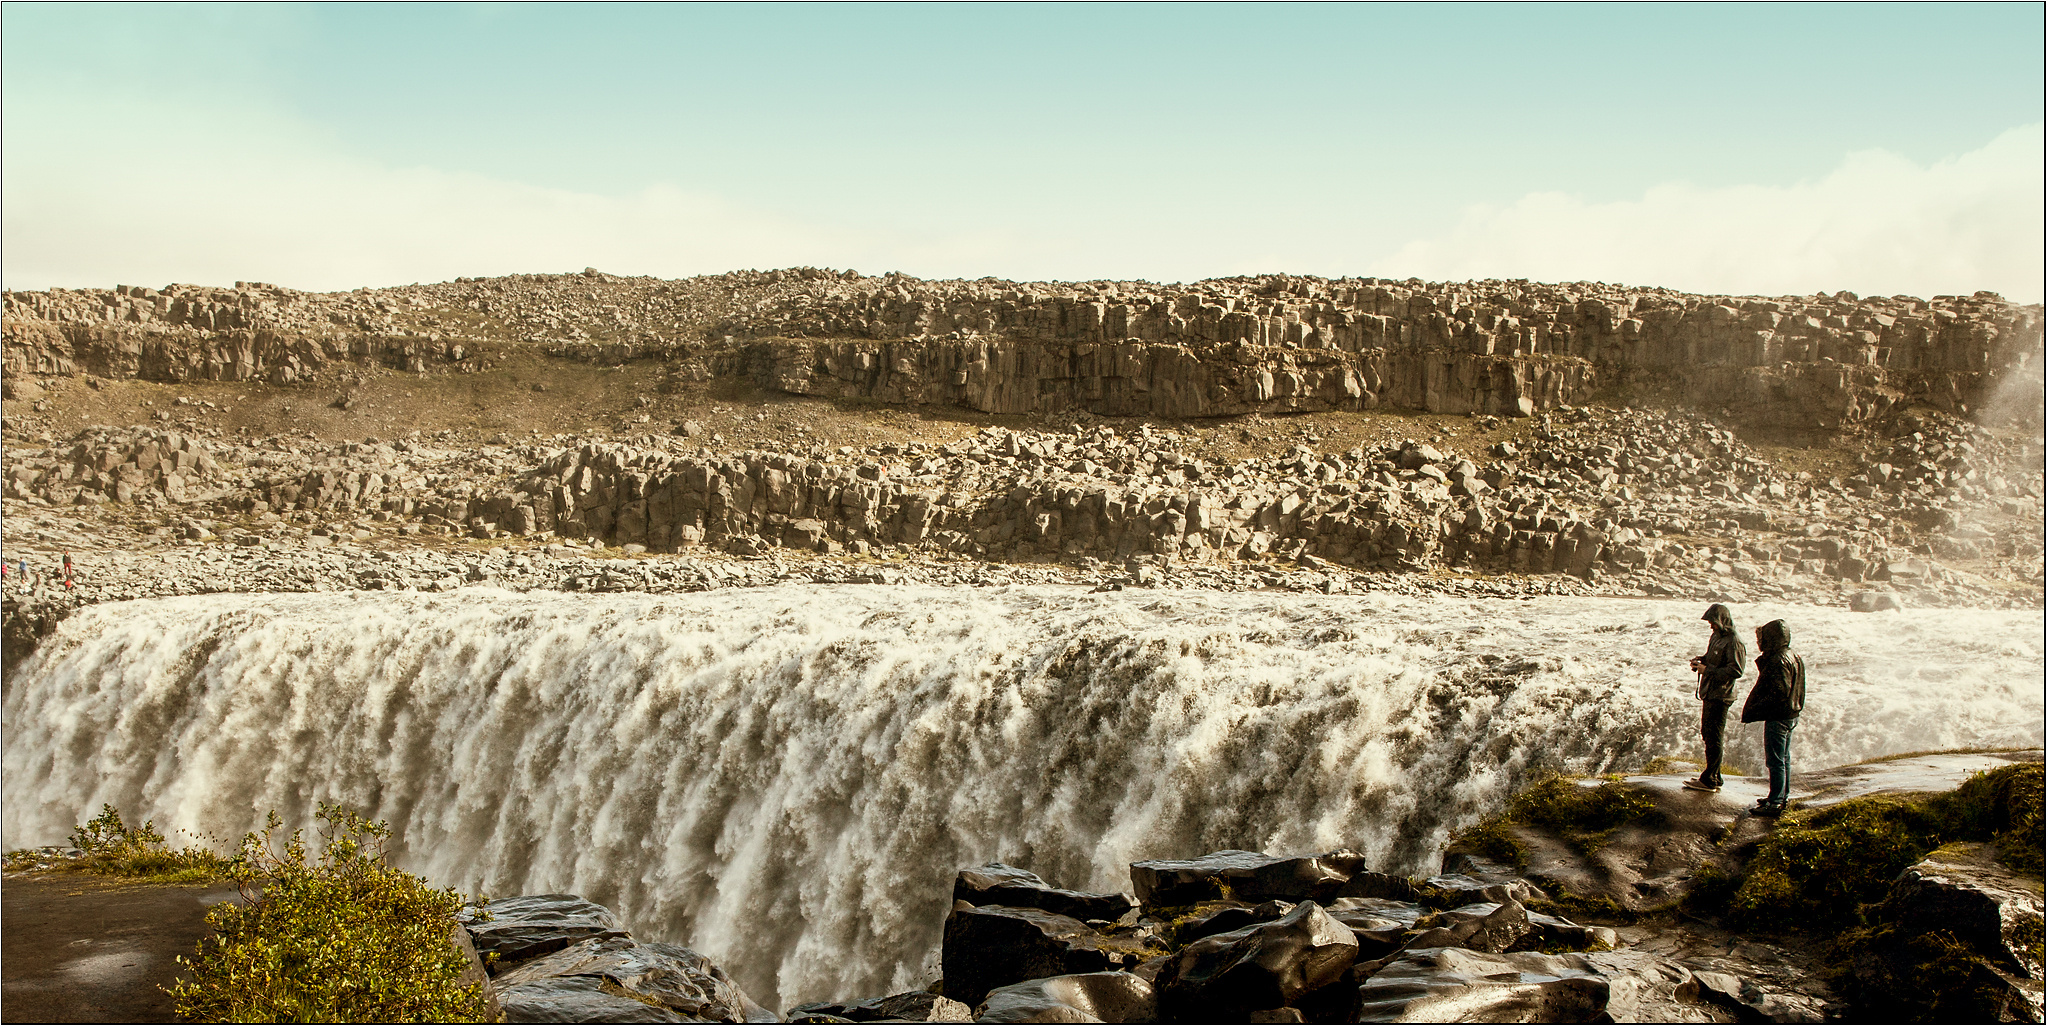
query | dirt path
(80,949)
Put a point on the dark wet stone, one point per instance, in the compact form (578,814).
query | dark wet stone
(667,975)
(525,926)
(1452,985)
(577,1000)
(987,947)
(1072,998)
(1226,976)
(911,1006)
(999,884)
(1250,876)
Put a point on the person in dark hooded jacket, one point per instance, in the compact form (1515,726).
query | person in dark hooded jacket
(1777,700)
(1718,669)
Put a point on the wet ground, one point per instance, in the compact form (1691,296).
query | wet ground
(80,949)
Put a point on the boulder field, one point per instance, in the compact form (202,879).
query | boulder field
(1247,937)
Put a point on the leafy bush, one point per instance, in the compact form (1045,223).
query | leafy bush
(344,938)
(112,847)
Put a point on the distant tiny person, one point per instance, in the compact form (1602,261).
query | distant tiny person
(1777,699)
(1718,668)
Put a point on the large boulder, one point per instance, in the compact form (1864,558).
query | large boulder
(651,973)
(912,1006)
(1483,927)
(1250,876)
(526,926)
(986,947)
(1381,926)
(1957,939)
(1452,985)
(1264,966)
(999,884)
(1962,889)
(1073,998)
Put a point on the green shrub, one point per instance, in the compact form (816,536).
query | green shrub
(1584,908)
(1821,867)
(344,938)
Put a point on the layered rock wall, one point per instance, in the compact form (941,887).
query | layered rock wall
(1215,348)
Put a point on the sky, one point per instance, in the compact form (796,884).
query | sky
(1745,149)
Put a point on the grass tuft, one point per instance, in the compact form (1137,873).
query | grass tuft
(111,848)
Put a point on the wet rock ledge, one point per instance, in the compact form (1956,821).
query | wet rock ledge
(1246,937)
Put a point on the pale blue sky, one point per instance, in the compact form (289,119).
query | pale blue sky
(1879,148)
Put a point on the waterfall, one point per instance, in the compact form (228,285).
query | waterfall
(787,778)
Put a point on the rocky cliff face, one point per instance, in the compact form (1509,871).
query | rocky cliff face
(1221,347)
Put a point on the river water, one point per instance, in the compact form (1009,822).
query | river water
(787,778)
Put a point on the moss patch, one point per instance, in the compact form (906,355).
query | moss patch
(1824,868)
(1584,818)
(1585,909)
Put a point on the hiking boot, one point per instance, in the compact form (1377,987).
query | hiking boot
(1702,786)
(1768,809)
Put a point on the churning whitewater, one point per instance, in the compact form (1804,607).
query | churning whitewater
(787,778)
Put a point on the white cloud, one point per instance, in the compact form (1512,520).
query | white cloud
(1878,224)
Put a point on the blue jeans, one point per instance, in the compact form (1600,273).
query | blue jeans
(1778,757)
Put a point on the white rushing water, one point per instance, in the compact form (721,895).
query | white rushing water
(787,779)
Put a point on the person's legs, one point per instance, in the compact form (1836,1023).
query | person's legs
(1778,757)
(1713,724)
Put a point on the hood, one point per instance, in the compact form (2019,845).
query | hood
(1774,636)
(1719,617)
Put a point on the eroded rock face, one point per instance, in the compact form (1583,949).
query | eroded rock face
(1491,927)
(1072,998)
(526,926)
(1265,966)
(999,884)
(987,947)
(1251,876)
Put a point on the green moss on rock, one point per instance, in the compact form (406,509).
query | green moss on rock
(1823,868)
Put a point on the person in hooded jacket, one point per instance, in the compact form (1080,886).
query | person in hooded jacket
(1776,699)
(1718,669)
